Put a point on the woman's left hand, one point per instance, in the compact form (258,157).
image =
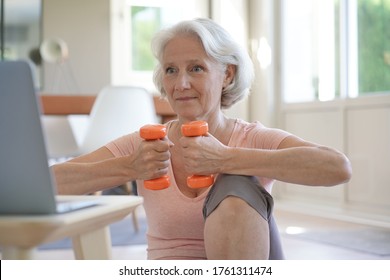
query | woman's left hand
(203,155)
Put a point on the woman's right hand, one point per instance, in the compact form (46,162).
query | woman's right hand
(151,160)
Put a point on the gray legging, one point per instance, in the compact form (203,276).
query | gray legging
(249,189)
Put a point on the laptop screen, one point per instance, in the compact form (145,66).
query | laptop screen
(26,185)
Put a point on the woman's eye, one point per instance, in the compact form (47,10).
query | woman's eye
(170,70)
(197,68)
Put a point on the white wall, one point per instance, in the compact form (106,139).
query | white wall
(248,21)
(223,12)
(261,26)
(361,129)
(85,26)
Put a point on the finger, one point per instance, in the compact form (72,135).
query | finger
(161,146)
(161,157)
(170,143)
(162,165)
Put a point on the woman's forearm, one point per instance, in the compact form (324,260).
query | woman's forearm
(84,178)
(307,165)
(100,170)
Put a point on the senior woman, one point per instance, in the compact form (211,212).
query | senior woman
(201,71)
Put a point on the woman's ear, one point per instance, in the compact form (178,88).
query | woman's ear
(230,73)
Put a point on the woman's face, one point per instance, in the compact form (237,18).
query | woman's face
(192,80)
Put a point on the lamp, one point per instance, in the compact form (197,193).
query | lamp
(54,50)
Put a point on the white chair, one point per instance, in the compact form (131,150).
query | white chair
(117,111)
(60,141)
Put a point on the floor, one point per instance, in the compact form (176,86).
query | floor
(289,223)
(296,249)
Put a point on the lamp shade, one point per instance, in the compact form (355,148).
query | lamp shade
(54,50)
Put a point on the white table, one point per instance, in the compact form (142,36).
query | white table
(88,228)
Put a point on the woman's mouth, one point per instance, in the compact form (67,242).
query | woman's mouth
(185,98)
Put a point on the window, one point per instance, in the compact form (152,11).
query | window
(20,32)
(373,27)
(333,49)
(145,21)
(133,28)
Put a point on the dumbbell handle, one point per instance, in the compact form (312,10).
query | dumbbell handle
(154,132)
(193,129)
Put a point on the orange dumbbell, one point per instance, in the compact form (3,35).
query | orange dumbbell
(192,129)
(154,132)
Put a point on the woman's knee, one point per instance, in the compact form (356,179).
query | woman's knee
(235,194)
(235,180)
(233,208)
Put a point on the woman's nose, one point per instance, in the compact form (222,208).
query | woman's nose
(182,82)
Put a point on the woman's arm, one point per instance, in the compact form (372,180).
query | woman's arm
(100,170)
(295,161)
(90,173)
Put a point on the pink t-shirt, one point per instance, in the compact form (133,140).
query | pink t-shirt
(175,221)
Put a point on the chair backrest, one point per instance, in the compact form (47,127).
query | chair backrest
(60,140)
(117,111)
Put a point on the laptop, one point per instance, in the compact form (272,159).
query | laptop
(26,183)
